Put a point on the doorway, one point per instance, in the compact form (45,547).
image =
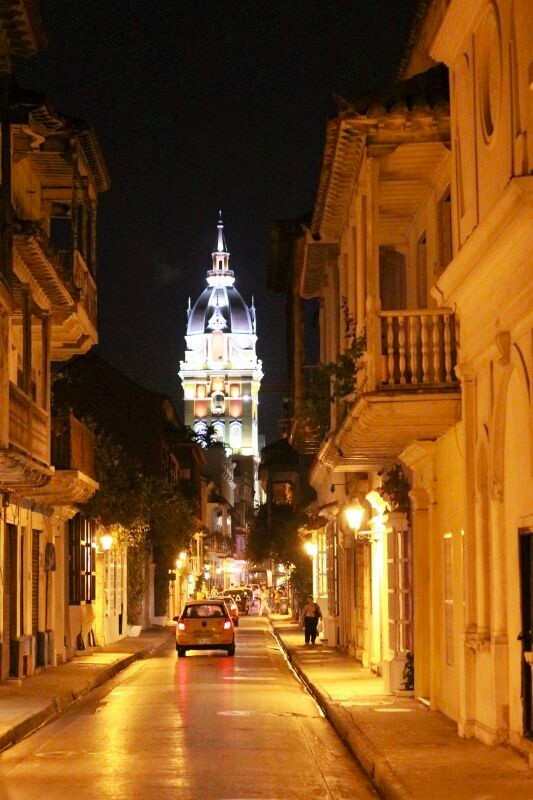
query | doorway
(10,596)
(526,634)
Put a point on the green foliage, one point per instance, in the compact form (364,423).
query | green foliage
(275,535)
(120,499)
(278,536)
(206,438)
(409,672)
(316,402)
(343,371)
(335,380)
(136,582)
(145,511)
(395,487)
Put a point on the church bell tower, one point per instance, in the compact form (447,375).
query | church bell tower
(221,373)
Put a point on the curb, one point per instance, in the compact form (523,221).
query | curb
(61,702)
(372,762)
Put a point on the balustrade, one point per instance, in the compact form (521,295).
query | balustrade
(28,426)
(419,348)
(77,273)
(73,445)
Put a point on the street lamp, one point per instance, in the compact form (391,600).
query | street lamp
(106,541)
(311,548)
(354,514)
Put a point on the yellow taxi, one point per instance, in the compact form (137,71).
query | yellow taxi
(205,625)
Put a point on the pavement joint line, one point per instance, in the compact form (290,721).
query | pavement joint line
(373,763)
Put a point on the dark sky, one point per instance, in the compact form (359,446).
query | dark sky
(201,105)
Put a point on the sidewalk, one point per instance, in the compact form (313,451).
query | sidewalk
(44,696)
(410,752)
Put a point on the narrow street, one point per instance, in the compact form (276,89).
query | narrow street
(206,726)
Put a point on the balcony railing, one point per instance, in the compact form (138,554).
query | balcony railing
(410,349)
(28,426)
(72,445)
(74,266)
(221,544)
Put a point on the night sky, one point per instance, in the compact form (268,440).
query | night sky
(200,105)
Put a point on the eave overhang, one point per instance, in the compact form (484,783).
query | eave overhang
(44,272)
(416,110)
(22,27)
(380,425)
(21,473)
(65,487)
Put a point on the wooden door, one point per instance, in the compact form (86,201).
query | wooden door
(10,595)
(35,553)
(526,634)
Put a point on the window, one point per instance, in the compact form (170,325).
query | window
(82,560)
(235,435)
(444,233)
(218,403)
(218,431)
(421,273)
(399,589)
(321,563)
(448,599)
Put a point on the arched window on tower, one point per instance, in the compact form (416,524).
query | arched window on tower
(235,435)
(218,403)
(218,430)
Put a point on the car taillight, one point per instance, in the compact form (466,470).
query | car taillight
(227,624)
(181,626)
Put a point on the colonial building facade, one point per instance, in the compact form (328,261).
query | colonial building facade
(419,251)
(53,172)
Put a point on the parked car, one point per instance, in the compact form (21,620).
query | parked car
(232,606)
(242,596)
(205,625)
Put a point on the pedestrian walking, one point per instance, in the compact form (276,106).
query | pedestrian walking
(277,598)
(311,613)
(264,598)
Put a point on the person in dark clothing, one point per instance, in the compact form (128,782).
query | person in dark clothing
(311,613)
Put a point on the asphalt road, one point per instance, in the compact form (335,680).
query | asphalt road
(204,727)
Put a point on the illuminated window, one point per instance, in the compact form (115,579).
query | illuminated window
(218,431)
(218,403)
(448,600)
(235,436)
(200,390)
(235,390)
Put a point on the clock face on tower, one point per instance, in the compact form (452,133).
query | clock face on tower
(221,373)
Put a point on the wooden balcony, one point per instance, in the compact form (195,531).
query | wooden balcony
(419,348)
(25,456)
(74,480)
(408,390)
(65,280)
(78,330)
(216,544)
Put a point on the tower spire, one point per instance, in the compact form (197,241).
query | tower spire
(221,241)
(220,273)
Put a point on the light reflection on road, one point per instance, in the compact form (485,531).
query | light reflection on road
(204,727)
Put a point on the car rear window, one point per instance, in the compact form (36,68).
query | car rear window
(204,610)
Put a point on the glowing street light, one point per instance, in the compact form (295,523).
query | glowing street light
(106,541)
(311,548)
(354,514)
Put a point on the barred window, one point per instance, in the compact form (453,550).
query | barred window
(82,560)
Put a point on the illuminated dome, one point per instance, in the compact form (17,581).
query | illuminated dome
(220,307)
